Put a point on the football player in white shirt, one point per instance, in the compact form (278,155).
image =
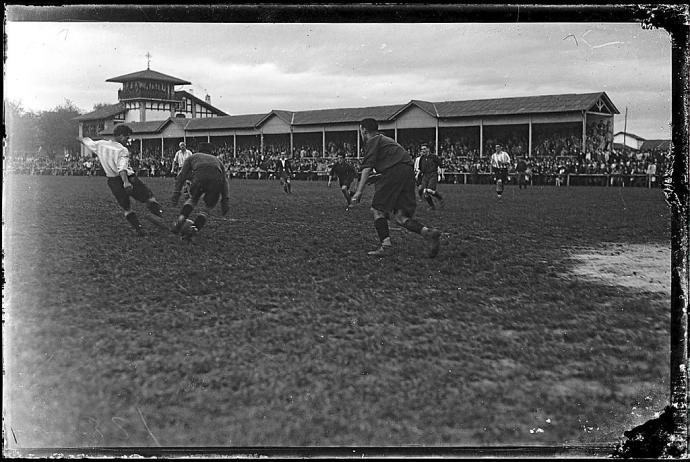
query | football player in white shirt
(500,161)
(123,182)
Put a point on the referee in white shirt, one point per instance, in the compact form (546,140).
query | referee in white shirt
(122,180)
(500,161)
(180,156)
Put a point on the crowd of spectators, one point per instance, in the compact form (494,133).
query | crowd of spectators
(555,154)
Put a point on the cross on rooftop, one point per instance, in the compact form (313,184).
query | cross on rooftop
(148,60)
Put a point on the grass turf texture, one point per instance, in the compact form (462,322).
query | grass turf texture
(275,328)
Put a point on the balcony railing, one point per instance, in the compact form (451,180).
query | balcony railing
(145,94)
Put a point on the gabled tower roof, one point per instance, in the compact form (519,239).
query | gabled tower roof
(148,74)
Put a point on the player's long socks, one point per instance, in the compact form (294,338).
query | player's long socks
(437,195)
(133,220)
(430,201)
(201,219)
(346,193)
(186,210)
(154,207)
(381,225)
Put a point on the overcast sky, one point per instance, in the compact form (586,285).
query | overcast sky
(254,68)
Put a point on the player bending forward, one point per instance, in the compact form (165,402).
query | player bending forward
(123,182)
(394,193)
(207,176)
(346,175)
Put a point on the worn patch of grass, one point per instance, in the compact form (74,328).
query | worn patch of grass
(275,328)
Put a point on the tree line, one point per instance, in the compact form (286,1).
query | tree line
(52,133)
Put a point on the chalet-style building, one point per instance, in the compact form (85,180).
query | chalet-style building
(148,100)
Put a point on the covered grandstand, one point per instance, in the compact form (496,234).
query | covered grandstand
(586,118)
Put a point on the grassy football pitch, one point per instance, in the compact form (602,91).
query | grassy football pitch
(274,327)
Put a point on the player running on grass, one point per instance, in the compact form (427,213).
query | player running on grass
(208,179)
(284,171)
(429,165)
(123,182)
(500,161)
(346,175)
(394,194)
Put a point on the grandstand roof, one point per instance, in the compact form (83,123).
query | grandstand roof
(285,116)
(519,105)
(140,128)
(649,145)
(630,135)
(227,122)
(344,115)
(103,113)
(446,109)
(148,74)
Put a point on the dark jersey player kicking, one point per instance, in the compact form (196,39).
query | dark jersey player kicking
(394,194)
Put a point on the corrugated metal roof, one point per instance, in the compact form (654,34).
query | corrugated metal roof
(445,109)
(649,145)
(153,126)
(103,113)
(522,105)
(148,74)
(225,122)
(344,115)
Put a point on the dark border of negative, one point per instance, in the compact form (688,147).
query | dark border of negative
(673,17)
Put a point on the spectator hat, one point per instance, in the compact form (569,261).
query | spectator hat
(182,145)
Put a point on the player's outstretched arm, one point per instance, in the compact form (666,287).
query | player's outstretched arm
(357,196)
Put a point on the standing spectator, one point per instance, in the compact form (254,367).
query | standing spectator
(394,195)
(122,180)
(651,174)
(500,161)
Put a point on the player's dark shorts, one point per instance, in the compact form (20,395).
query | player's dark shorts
(346,181)
(207,182)
(501,174)
(284,176)
(140,191)
(395,190)
(429,181)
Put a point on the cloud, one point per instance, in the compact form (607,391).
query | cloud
(252,68)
